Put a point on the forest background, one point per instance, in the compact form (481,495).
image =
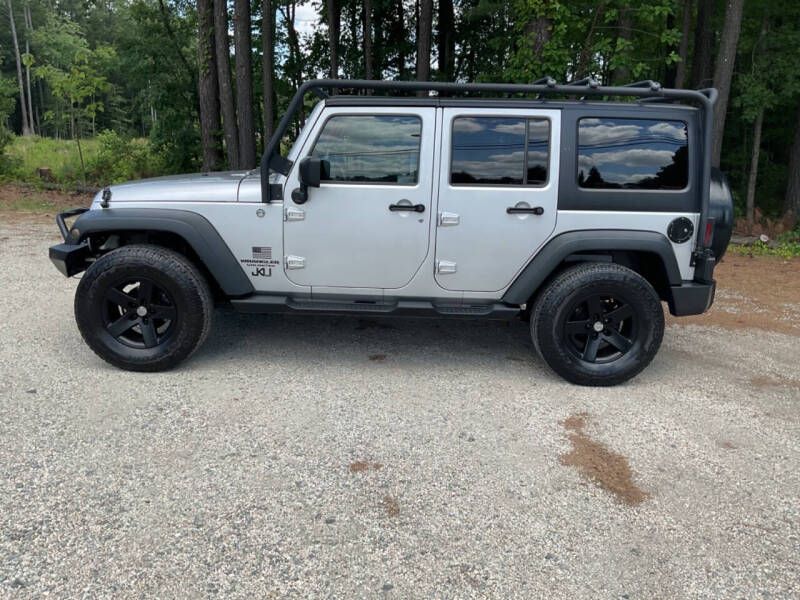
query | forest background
(99,91)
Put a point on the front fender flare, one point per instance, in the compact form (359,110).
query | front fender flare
(593,240)
(192,227)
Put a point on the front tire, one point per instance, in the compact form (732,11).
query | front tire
(598,324)
(143,308)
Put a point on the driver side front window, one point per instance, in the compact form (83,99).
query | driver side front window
(370,149)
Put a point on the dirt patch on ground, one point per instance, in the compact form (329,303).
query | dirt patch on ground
(18,199)
(766,382)
(761,292)
(600,465)
(391,506)
(360,466)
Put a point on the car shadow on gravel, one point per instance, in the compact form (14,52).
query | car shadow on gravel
(375,342)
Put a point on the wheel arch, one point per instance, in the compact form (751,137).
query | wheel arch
(184,231)
(648,253)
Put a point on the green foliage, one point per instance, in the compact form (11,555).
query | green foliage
(130,67)
(784,250)
(27,154)
(110,158)
(122,159)
(75,72)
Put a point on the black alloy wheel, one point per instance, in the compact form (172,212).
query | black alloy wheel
(600,328)
(139,313)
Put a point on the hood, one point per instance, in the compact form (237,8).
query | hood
(198,187)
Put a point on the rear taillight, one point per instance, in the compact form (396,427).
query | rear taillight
(709,233)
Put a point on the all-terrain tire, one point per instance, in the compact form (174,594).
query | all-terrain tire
(597,324)
(153,297)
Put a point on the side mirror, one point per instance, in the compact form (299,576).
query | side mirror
(310,174)
(311,171)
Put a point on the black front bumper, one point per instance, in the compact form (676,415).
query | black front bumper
(691,298)
(71,257)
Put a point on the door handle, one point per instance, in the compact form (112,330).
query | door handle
(410,207)
(534,210)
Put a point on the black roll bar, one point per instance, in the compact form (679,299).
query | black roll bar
(546,86)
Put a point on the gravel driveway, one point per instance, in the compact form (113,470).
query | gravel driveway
(345,458)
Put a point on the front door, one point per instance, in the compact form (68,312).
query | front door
(498,194)
(367,225)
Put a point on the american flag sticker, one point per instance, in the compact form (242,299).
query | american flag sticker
(262,252)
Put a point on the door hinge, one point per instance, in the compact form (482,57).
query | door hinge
(294,262)
(445,267)
(293,214)
(447,219)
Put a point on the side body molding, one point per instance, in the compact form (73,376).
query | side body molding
(192,227)
(571,242)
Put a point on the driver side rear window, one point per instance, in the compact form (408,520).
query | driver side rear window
(633,154)
(370,149)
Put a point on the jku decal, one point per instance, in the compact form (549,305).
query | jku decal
(261,261)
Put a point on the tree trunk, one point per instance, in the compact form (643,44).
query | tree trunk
(244,83)
(171,35)
(208,87)
(670,70)
(223,50)
(378,45)
(703,62)
(447,40)
(683,50)
(292,66)
(622,74)
(268,67)
(22,102)
(399,30)
(334,25)
(76,133)
(791,202)
(424,27)
(28,30)
(368,58)
(724,71)
(752,178)
(582,69)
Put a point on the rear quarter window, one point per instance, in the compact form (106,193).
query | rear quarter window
(632,154)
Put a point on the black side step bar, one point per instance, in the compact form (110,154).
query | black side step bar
(402,308)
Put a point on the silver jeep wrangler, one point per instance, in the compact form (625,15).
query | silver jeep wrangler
(536,204)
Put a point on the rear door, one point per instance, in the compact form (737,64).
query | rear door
(498,194)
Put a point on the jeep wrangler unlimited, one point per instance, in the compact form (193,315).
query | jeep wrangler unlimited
(578,216)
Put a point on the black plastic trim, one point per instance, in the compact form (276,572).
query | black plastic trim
(572,242)
(691,298)
(192,227)
(264,303)
(70,259)
(66,214)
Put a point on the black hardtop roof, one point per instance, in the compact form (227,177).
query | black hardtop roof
(444,101)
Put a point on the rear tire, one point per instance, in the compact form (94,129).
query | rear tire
(143,308)
(598,324)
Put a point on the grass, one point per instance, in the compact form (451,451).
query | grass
(27,154)
(31,204)
(786,245)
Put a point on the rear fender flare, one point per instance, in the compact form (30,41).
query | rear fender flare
(192,227)
(572,242)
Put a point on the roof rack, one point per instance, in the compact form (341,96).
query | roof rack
(646,90)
